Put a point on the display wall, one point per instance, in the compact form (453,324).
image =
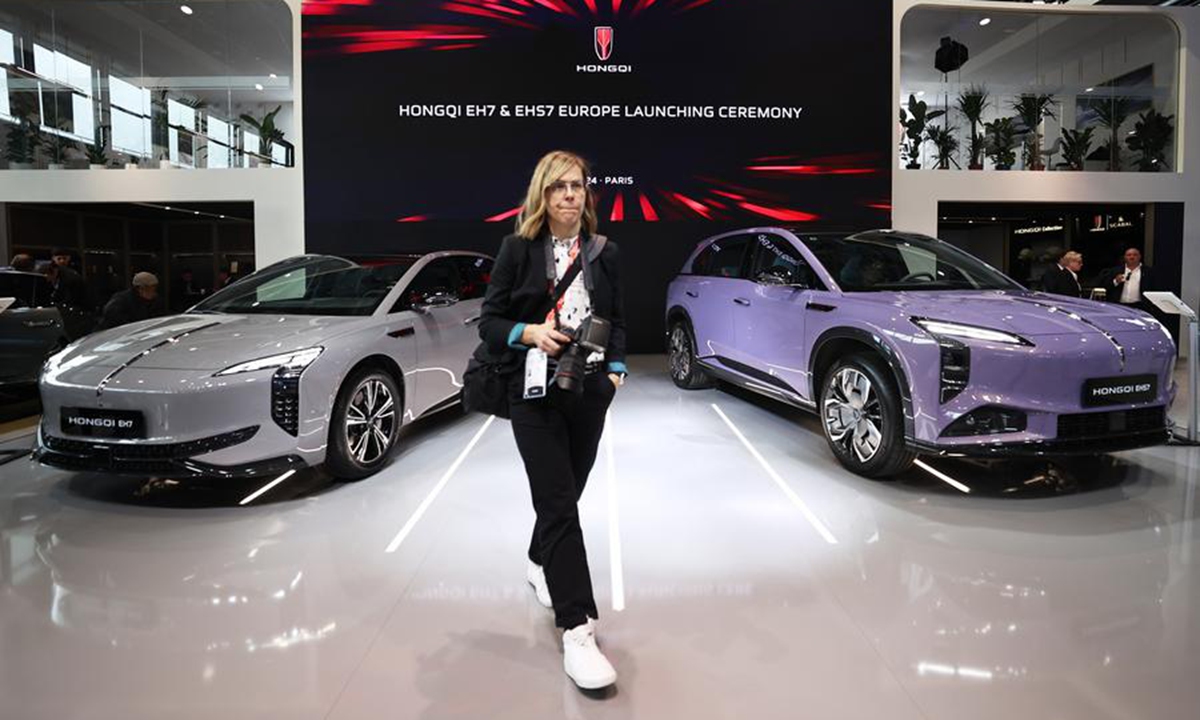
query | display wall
(697,116)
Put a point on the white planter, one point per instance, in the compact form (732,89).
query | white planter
(165,165)
(131,166)
(97,166)
(20,166)
(56,166)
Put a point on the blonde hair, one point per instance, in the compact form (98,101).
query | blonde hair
(1071,256)
(549,170)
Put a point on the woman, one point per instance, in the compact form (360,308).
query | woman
(558,432)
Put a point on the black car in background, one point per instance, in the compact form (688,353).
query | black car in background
(31,327)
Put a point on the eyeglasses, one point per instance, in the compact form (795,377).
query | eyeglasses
(561,186)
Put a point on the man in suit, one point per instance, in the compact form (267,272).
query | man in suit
(1063,278)
(1125,283)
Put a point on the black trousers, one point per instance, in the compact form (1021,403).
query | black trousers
(558,437)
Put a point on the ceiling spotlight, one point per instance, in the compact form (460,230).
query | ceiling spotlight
(195,212)
(985,22)
(166,207)
(274,76)
(920,93)
(1090,89)
(186,9)
(258,87)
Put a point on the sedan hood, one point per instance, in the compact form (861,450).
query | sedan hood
(204,342)
(1025,313)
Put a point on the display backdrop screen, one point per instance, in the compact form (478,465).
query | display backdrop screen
(423,120)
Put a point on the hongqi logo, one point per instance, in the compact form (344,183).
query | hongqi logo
(604,42)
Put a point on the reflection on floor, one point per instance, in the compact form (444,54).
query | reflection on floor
(736,579)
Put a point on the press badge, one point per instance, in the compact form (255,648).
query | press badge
(535,374)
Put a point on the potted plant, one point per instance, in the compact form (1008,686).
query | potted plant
(1076,144)
(57,146)
(1000,137)
(97,154)
(971,103)
(1111,113)
(269,134)
(21,143)
(1031,109)
(944,140)
(1151,135)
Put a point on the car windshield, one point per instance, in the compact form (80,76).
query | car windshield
(866,263)
(311,285)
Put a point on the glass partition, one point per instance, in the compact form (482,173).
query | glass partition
(1029,90)
(146,83)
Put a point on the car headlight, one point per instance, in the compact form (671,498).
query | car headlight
(294,361)
(941,328)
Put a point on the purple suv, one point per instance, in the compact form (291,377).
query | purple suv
(905,345)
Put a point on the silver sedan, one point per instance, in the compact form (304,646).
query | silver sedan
(315,359)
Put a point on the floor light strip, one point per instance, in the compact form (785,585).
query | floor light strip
(420,511)
(791,494)
(941,476)
(257,493)
(614,523)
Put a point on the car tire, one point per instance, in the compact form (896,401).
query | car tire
(681,358)
(863,419)
(364,424)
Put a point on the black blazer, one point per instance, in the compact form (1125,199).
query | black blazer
(1113,290)
(518,293)
(1060,281)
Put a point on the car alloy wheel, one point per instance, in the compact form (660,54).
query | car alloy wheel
(370,421)
(853,415)
(681,353)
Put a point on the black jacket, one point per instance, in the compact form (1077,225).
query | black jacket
(1113,290)
(518,293)
(1060,281)
(126,307)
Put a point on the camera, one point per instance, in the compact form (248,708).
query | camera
(591,336)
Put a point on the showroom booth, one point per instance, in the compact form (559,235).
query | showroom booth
(843,469)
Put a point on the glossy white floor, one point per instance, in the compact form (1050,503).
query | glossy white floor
(737,578)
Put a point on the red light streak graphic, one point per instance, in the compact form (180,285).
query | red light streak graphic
(880,206)
(412,218)
(616,6)
(647,209)
(591,4)
(642,5)
(618,211)
(781,214)
(506,215)
(699,207)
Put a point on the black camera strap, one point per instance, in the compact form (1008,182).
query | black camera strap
(582,263)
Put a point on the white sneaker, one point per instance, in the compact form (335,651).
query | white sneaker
(537,578)
(583,661)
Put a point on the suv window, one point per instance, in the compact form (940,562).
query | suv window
(474,274)
(775,255)
(29,290)
(727,257)
(439,277)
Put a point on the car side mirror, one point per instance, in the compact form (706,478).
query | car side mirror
(778,278)
(434,301)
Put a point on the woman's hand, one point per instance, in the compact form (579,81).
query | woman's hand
(545,338)
(616,379)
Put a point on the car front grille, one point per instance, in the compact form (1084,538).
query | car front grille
(1111,423)
(100,452)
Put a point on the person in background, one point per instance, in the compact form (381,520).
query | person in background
(1063,278)
(23,263)
(1125,283)
(140,302)
(70,292)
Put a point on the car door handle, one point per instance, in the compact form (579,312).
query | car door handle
(471,320)
(742,301)
(691,293)
(403,332)
(39,323)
